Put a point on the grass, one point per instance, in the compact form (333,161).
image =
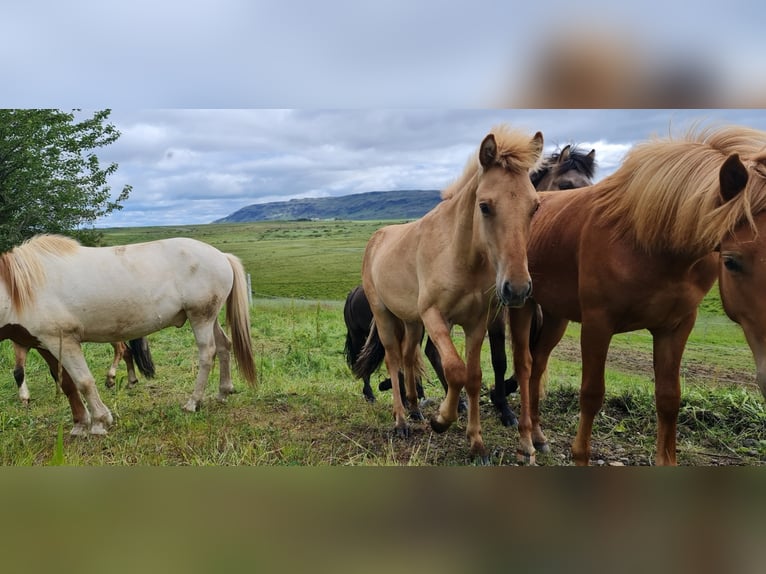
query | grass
(308,410)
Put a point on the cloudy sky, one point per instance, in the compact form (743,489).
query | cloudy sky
(195,166)
(224,103)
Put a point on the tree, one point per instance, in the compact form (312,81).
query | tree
(51,181)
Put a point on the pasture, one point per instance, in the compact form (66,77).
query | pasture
(308,409)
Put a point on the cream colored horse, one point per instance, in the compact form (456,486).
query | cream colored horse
(62,294)
(447,268)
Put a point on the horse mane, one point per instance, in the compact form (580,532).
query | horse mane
(666,193)
(22,271)
(577,160)
(515,153)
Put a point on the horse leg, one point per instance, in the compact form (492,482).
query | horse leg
(73,362)
(391,334)
(223,352)
(530,364)
(595,336)
(112,372)
(474,338)
(668,350)
(436,362)
(20,353)
(497,394)
(413,335)
(127,356)
(205,337)
(454,368)
(80,415)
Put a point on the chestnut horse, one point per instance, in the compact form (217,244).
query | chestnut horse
(446,269)
(635,251)
(60,294)
(134,352)
(742,273)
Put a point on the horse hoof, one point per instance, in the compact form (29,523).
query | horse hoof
(439,427)
(511,386)
(462,406)
(385,385)
(97,429)
(416,416)
(509,419)
(79,430)
(543,447)
(482,460)
(191,406)
(526,458)
(402,431)
(370,399)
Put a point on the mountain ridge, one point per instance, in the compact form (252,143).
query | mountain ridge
(399,204)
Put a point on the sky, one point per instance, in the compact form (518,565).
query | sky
(197,165)
(225,103)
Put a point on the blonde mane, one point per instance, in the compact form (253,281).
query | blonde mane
(515,153)
(21,269)
(666,193)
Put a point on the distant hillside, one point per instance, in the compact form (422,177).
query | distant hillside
(409,204)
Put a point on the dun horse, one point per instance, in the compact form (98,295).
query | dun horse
(135,353)
(446,269)
(55,294)
(635,251)
(566,169)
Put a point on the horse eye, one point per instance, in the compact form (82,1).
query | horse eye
(566,185)
(732,264)
(484,208)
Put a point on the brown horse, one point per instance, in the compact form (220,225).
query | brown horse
(568,168)
(635,251)
(135,353)
(742,274)
(446,269)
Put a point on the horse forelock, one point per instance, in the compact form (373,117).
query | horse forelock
(22,270)
(577,160)
(515,153)
(666,193)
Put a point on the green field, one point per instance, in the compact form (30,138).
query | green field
(308,409)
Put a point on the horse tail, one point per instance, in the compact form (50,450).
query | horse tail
(238,319)
(142,356)
(372,355)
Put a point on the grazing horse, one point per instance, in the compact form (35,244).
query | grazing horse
(634,251)
(135,352)
(446,269)
(566,169)
(60,294)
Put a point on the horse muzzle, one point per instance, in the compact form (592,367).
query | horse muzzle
(513,295)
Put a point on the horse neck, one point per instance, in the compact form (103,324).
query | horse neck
(465,240)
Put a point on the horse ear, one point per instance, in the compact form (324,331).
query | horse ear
(537,143)
(488,151)
(564,155)
(591,156)
(732,177)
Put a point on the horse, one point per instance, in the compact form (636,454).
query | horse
(357,316)
(135,353)
(568,168)
(634,251)
(446,269)
(741,277)
(55,294)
